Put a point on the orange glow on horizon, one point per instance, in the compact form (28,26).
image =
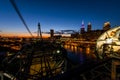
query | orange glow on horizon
(9,34)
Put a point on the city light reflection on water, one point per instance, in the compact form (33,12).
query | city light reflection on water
(80,54)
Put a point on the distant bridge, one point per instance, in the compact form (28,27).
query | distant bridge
(79,43)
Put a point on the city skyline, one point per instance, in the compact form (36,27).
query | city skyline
(58,14)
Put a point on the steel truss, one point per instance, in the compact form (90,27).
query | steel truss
(40,60)
(107,69)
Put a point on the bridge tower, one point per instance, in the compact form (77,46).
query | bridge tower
(39,33)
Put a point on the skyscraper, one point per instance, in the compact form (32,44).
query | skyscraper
(89,26)
(51,33)
(82,30)
(106,26)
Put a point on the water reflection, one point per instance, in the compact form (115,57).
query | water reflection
(76,58)
(77,49)
(87,50)
(80,54)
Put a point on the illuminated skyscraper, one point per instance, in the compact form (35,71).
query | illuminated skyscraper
(82,30)
(106,26)
(89,26)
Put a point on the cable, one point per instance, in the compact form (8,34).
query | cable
(19,14)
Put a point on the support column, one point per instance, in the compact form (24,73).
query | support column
(1,75)
(114,73)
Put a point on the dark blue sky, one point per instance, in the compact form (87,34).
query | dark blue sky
(58,14)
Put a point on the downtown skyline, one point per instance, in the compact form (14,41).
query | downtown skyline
(58,14)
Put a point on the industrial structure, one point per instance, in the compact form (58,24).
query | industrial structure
(108,44)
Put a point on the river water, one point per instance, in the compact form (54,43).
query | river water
(80,55)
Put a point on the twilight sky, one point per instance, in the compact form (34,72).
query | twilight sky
(58,14)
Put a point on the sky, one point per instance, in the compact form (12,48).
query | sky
(58,14)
